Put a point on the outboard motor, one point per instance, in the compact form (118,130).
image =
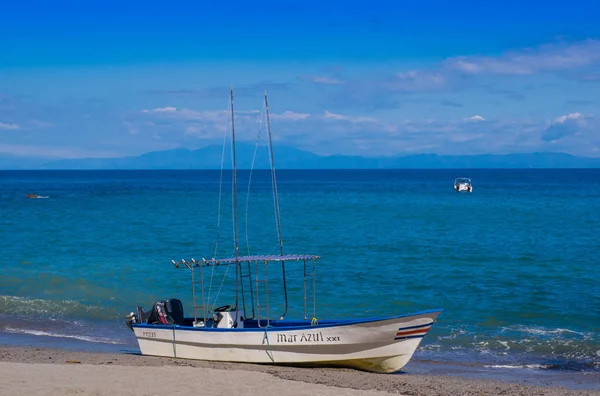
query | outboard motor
(174,309)
(164,312)
(129,320)
(139,316)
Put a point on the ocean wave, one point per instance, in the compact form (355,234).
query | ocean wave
(102,340)
(526,344)
(565,365)
(50,309)
(541,330)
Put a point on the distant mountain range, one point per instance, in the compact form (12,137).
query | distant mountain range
(293,158)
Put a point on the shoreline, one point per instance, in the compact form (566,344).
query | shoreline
(437,379)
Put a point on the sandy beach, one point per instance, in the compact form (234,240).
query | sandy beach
(41,371)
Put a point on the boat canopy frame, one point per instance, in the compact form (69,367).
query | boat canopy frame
(233,260)
(462,180)
(256,309)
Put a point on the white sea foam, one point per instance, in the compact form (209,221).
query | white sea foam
(518,366)
(102,340)
(505,344)
(542,331)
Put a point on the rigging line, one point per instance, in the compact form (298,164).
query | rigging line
(220,287)
(228,130)
(276,203)
(274,177)
(219,201)
(250,178)
(233,180)
(235,207)
(221,182)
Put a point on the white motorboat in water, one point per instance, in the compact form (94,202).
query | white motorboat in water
(246,331)
(463,184)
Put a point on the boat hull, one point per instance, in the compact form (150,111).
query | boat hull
(382,345)
(463,187)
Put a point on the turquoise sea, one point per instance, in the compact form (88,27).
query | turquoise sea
(514,264)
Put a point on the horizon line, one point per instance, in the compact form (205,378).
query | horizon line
(292,169)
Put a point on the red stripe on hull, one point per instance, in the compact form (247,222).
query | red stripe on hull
(412,332)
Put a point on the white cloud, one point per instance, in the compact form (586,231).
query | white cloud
(333,116)
(417,80)
(323,80)
(9,126)
(570,59)
(204,116)
(339,117)
(353,134)
(475,118)
(413,75)
(570,116)
(327,80)
(177,125)
(188,114)
(249,115)
(174,124)
(549,57)
(289,115)
(564,126)
(167,109)
(54,152)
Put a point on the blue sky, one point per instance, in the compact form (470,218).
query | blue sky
(366,78)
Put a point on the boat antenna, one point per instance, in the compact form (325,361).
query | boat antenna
(276,201)
(235,208)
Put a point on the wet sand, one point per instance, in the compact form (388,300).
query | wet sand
(43,371)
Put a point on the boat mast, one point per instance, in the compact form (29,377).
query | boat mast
(235,208)
(277,211)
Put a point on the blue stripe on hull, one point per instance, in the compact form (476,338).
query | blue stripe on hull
(414,327)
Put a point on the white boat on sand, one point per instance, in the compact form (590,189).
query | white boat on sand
(247,331)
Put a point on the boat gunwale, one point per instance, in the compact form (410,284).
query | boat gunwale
(327,323)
